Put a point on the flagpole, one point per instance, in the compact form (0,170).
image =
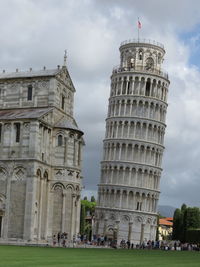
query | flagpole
(138,31)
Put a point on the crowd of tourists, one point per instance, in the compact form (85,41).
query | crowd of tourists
(61,240)
(162,245)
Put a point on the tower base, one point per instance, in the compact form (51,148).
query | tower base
(117,225)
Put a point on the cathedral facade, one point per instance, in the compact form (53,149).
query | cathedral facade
(129,188)
(40,156)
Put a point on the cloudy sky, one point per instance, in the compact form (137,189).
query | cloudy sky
(34,33)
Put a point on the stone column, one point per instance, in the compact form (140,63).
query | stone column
(120,199)
(97,227)
(123,175)
(149,110)
(142,233)
(145,204)
(117,129)
(132,87)
(111,175)
(137,91)
(120,151)
(127,83)
(120,103)
(65,152)
(77,218)
(136,177)
(125,107)
(115,198)
(40,208)
(114,109)
(131,108)
(129,179)
(127,196)
(142,179)
(122,132)
(75,152)
(121,86)
(7,200)
(50,198)
(109,151)
(130,230)
(79,153)
(151,234)
(134,200)
(128,131)
(63,212)
(117,231)
(105,226)
(114,152)
(72,216)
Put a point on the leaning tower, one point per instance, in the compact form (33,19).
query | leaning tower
(129,188)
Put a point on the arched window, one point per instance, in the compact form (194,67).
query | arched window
(30,92)
(147,90)
(17,132)
(140,54)
(60,140)
(124,86)
(63,102)
(149,63)
(130,62)
(46,175)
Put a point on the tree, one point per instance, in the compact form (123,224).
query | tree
(89,206)
(82,219)
(192,218)
(177,225)
(92,199)
(183,207)
(87,209)
(185,219)
(85,198)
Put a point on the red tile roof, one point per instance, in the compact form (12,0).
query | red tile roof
(165,222)
(169,219)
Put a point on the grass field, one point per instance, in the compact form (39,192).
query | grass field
(37,256)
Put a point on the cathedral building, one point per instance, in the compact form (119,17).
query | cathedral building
(40,156)
(129,188)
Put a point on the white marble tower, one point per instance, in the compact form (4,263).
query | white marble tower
(128,192)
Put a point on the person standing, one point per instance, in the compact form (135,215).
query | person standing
(128,243)
(58,238)
(54,240)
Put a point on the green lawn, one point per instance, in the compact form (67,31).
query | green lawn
(38,256)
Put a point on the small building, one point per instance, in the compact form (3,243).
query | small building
(40,156)
(165,228)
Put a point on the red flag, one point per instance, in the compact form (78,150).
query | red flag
(139,24)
